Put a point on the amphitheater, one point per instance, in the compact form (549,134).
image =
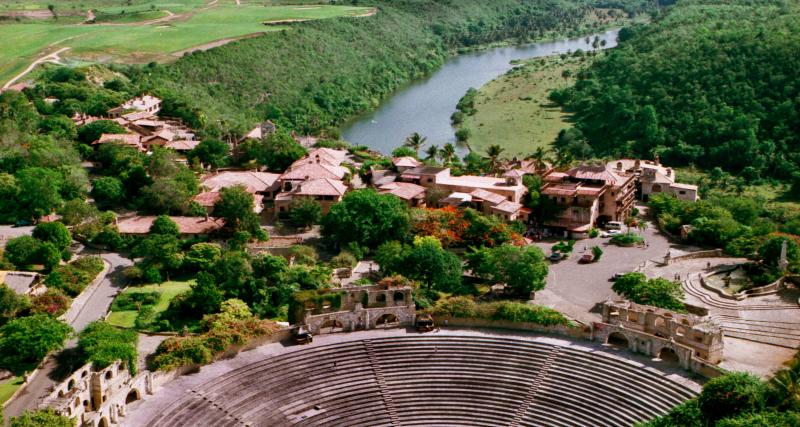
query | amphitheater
(399,378)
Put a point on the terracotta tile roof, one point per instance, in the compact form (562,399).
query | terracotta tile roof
(596,173)
(507,207)
(590,191)
(488,196)
(208,198)
(555,176)
(406,161)
(403,190)
(326,156)
(514,173)
(255,181)
(123,138)
(186,224)
(424,170)
(182,145)
(320,187)
(560,190)
(314,171)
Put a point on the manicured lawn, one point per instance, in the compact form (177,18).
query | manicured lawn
(27,40)
(168,291)
(514,111)
(8,387)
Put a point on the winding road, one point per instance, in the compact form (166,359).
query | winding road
(91,305)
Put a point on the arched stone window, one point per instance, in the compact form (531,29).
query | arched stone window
(618,340)
(132,396)
(399,297)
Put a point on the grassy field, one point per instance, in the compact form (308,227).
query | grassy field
(136,42)
(168,291)
(8,387)
(513,110)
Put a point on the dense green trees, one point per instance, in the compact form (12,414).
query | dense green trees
(28,339)
(305,212)
(210,152)
(236,206)
(522,269)
(658,292)
(366,218)
(424,261)
(103,344)
(711,83)
(41,418)
(276,151)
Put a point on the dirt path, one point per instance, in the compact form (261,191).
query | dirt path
(51,57)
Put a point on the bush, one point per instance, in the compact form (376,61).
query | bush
(503,310)
(74,277)
(53,303)
(344,260)
(627,239)
(732,394)
(597,252)
(29,339)
(41,418)
(657,292)
(134,300)
(103,344)
(593,232)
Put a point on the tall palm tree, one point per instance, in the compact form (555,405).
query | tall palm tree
(540,156)
(493,153)
(447,153)
(431,152)
(415,141)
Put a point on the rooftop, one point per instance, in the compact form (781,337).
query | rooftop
(406,162)
(403,190)
(254,181)
(302,172)
(186,224)
(321,187)
(487,196)
(19,281)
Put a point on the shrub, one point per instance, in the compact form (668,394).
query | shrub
(304,254)
(344,260)
(53,303)
(41,418)
(103,344)
(134,300)
(597,252)
(74,277)
(732,394)
(627,239)
(456,307)
(593,232)
(521,312)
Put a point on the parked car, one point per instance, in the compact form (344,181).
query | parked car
(614,225)
(23,223)
(586,259)
(556,257)
(425,323)
(302,336)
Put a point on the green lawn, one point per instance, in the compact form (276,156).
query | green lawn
(24,41)
(8,387)
(514,111)
(168,291)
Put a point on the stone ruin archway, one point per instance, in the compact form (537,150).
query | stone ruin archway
(132,396)
(618,340)
(331,326)
(103,422)
(387,320)
(668,356)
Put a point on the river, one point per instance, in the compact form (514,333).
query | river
(425,105)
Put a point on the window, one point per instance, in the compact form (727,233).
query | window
(682,192)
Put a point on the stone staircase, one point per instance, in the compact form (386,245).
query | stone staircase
(537,381)
(385,392)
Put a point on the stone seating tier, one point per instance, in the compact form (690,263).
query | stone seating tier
(431,380)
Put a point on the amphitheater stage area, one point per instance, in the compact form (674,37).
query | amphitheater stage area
(400,377)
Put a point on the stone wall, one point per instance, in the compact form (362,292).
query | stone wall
(702,337)
(713,253)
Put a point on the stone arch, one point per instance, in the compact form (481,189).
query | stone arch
(77,401)
(333,324)
(619,165)
(667,354)
(61,393)
(618,339)
(380,298)
(84,374)
(132,396)
(109,374)
(103,422)
(71,384)
(399,297)
(386,320)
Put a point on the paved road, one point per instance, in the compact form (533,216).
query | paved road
(94,307)
(8,232)
(578,289)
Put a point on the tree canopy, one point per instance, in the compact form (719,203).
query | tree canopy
(367,219)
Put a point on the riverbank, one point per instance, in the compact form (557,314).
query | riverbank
(514,111)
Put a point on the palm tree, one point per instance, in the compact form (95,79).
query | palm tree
(493,153)
(431,152)
(447,153)
(415,141)
(540,156)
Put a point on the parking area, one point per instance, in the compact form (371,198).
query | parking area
(576,288)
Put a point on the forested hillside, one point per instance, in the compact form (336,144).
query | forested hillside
(710,83)
(321,72)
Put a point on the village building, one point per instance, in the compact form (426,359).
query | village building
(261,131)
(319,176)
(402,164)
(654,178)
(326,191)
(412,194)
(137,108)
(589,196)
(501,196)
(188,226)
(127,139)
(262,185)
